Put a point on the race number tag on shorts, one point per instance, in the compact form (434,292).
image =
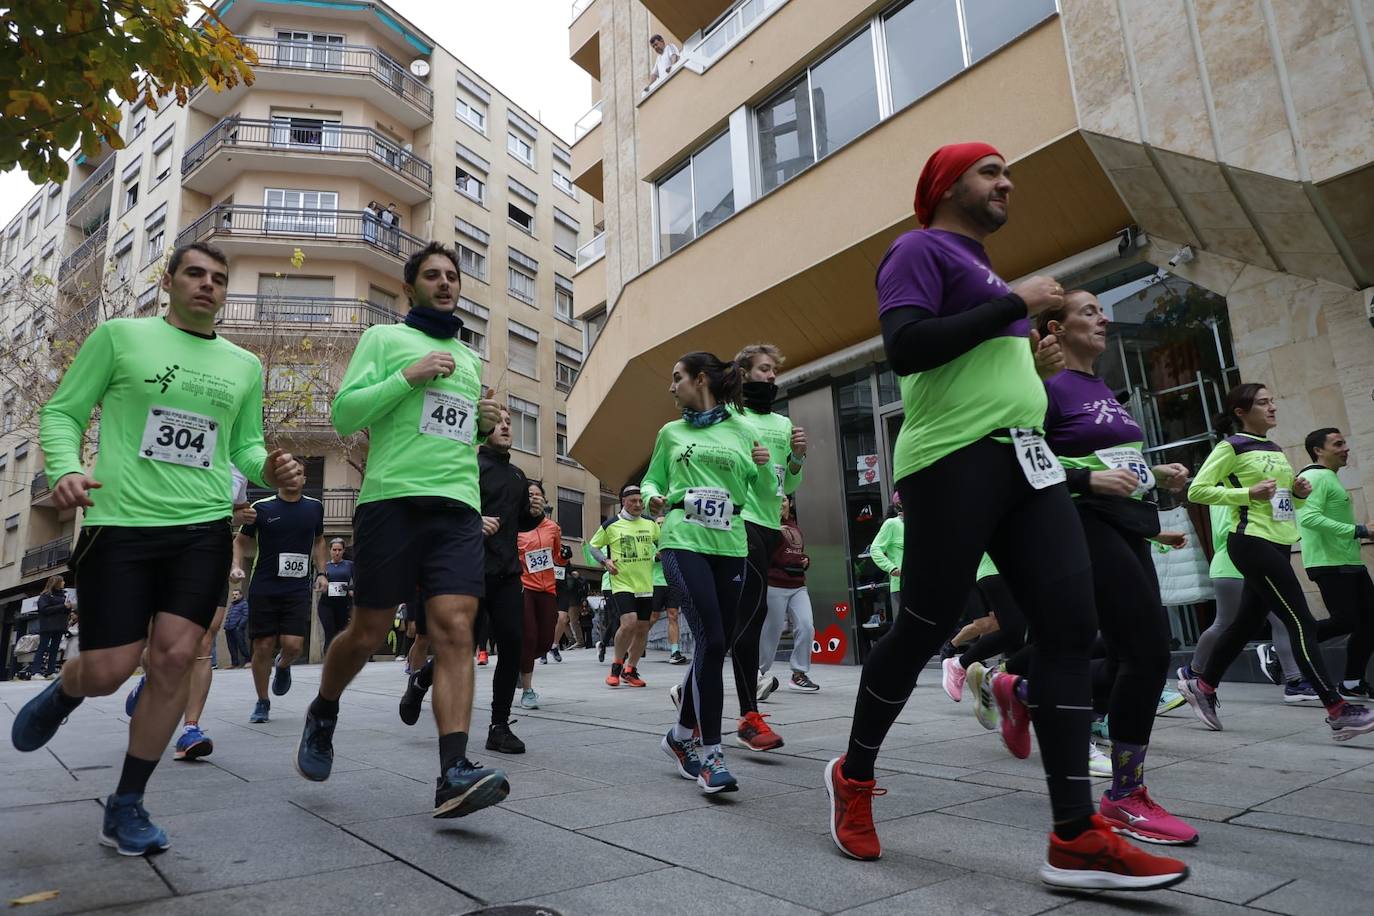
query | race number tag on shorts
(1126,458)
(709,508)
(781,471)
(338,590)
(179,437)
(292,565)
(537,561)
(449,415)
(559,573)
(1282,504)
(1041,467)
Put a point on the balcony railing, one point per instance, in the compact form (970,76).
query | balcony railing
(579,7)
(339,58)
(235,221)
(40,486)
(339,503)
(47,556)
(588,122)
(593,251)
(79,323)
(84,251)
(314,138)
(306,310)
(91,186)
(726,33)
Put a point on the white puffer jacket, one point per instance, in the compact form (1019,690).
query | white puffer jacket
(1183,576)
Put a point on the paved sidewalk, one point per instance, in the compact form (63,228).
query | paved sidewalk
(597,822)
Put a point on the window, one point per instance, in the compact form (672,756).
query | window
(933,26)
(522,220)
(562,156)
(31,224)
(844,94)
(521,285)
(474,332)
(162,155)
(563,298)
(524,425)
(567,363)
(54,202)
(697,196)
(523,349)
(471,103)
(565,230)
(156,245)
(314,133)
(564,183)
(147,301)
(560,439)
(138,119)
(993,23)
(8,425)
(784,142)
(315,50)
(520,146)
(468,184)
(130,178)
(11,546)
(570,512)
(290,210)
(124,256)
(472,262)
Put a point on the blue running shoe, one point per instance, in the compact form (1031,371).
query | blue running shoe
(261,712)
(1300,691)
(466,787)
(131,701)
(281,678)
(128,829)
(193,744)
(315,756)
(714,777)
(683,754)
(40,718)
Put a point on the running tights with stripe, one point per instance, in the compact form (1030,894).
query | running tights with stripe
(753,612)
(1266,568)
(710,590)
(1232,597)
(1349,599)
(973,500)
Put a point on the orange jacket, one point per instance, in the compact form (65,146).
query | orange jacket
(545,543)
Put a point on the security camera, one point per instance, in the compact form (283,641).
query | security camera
(1182,256)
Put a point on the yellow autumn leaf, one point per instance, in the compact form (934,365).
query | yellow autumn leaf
(40,897)
(297,258)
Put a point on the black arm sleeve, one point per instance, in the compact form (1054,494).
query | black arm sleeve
(917,341)
(1079,480)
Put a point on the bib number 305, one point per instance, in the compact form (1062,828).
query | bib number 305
(709,508)
(292,565)
(449,415)
(179,437)
(1038,462)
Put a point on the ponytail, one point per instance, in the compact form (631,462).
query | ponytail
(724,380)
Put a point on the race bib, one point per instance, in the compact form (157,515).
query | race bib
(1128,459)
(709,507)
(179,437)
(338,590)
(1282,504)
(292,565)
(560,573)
(449,415)
(1038,463)
(781,471)
(537,561)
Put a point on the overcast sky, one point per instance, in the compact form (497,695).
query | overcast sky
(519,46)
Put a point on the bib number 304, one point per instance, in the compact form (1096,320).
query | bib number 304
(1038,462)
(449,415)
(179,437)
(709,508)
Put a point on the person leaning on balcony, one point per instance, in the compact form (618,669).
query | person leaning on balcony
(391,219)
(372,215)
(667,57)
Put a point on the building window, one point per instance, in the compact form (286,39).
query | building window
(563,298)
(11,546)
(844,95)
(290,210)
(521,147)
(564,183)
(314,50)
(54,202)
(522,220)
(560,438)
(698,196)
(521,274)
(524,425)
(993,23)
(570,512)
(522,349)
(565,230)
(933,26)
(138,119)
(130,179)
(474,332)
(469,184)
(567,363)
(162,155)
(478,235)
(147,301)
(472,262)
(124,256)
(471,111)
(156,241)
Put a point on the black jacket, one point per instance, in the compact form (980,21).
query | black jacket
(505,495)
(52,612)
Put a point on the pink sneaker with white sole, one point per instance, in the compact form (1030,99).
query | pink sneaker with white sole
(1141,817)
(953,678)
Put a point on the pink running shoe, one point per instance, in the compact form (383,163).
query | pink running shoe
(1140,816)
(1015,716)
(953,678)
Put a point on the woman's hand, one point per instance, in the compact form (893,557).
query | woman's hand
(1118,482)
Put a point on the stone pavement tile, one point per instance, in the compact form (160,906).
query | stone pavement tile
(969,845)
(533,783)
(1234,785)
(1324,803)
(264,842)
(254,759)
(1233,862)
(106,880)
(669,892)
(1309,826)
(1008,781)
(968,895)
(1313,898)
(1361,780)
(1174,902)
(1311,752)
(795,865)
(39,836)
(390,888)
(500,855)
(616,804)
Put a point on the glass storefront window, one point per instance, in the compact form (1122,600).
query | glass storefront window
(844,94)
(923,48)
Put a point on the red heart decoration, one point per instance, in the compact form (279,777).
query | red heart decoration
(842,611)
(829,646)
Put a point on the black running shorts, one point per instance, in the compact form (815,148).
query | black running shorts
(429,543)
(665,596)
(278,615)
(626,603)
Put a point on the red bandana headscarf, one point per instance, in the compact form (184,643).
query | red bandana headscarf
(942,169)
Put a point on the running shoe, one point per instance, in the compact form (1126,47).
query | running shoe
(261,712)
(1269,663)
(1202,698)
(193,744)
(630,677)
(873,622)
(677,658)
(131,701)
(714,777)
(466,787)
(800,682)
(948,650)
(544,659)
(953,678)
(675,694)
(1098,859)
(39,719)
(1099,729)
(1014,715)
(1353,719)
(413,697)
(755,734)
(128,829)
(979,680)
(601,653)
(851,812)
(1169,700)
(529,699)
(502,740)
(1140,816)
(613,679)
(315,755)
(281,678)
(766,686)
(1300,691)
(1099,764)
(557,655)
(684,755)
(1361,691)
(482,656)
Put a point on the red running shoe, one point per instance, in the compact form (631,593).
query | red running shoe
(1014,714)
(1098,859)
(481,656)
(755,734)
(851,812)
(630,677)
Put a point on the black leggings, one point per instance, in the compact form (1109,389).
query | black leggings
(753,611)
(1036,540)
(1011,623)
(504,606)
(1267,570)
(1349,599)
(710,590)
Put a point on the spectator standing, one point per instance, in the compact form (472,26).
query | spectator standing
(787,596)
(53,610)
(372,215)
(236,630)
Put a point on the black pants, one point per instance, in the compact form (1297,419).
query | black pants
(334,616)
(240,652)
(504,606)
(753,611)
(1349,599)
(45,659)
(1011,623)
(710,590)
(1036,540)
(1268,572)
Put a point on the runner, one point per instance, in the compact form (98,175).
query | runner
(886,554)
(179,404)
(563,599)
(625,547)
(702,471)
(956,335)
(288,531)
(336,604)
(541,553)
(417,389)
(1249,472)
(788,597)
(1002,631)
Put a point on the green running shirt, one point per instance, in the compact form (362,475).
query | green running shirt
(423,440)
(1327,523)
(1236,464)
(1223,524)
(774,432)
(176,410)
(886,550)
(632,543)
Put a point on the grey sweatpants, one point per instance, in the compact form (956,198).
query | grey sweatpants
(1230,596)
(781,602)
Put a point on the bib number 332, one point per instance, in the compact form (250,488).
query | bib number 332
(179,437)
(1038,462)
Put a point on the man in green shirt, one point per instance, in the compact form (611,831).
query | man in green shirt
(625,547)
(417,390)
(886,554)
(178,404)
(1331,555)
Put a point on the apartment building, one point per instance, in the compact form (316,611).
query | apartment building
(1205,168)
(351,105)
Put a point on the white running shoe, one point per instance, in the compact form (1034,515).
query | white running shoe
(1099,764)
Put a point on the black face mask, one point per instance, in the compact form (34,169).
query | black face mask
(759,396)
(434,322)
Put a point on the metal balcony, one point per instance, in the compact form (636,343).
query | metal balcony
(91,191)
(74,263)
(339,503)
(46,556)
(305,312)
